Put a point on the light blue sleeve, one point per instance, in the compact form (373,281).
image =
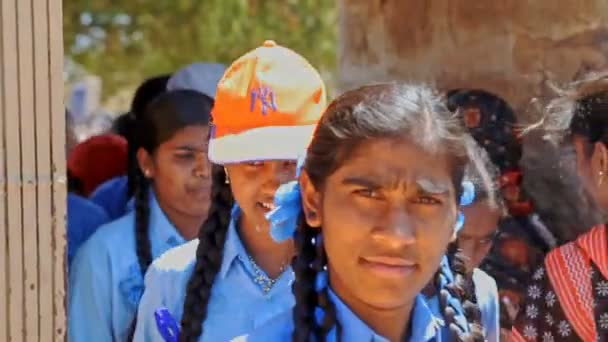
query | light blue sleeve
(487,298)
(152,299)
(90,295)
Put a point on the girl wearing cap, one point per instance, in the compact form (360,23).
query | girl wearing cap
(171,190)
(371,230)
(234,277)
(567,297)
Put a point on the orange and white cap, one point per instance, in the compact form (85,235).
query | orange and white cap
(266,107)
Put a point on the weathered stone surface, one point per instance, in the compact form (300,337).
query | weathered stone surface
(505,46)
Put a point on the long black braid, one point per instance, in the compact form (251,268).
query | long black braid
(209,254)
(463,288)
(308,262)
(143,247)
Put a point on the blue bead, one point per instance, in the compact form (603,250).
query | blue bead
(321,281)
(459,222)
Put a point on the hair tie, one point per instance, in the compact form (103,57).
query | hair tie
(288,205)
(468,193)
(321,281)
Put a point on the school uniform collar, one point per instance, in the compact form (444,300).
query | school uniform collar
(595,245)
(233,246)
(425,326)
(161,229)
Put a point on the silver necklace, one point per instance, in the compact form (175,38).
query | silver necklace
(261,278)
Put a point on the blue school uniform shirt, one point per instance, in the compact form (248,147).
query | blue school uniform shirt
(237,304)
(426,327)
(113,196)
(106,281)
(84,217)
(486,293)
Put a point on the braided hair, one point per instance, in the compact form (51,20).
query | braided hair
(209,254)
(168,114)
(371,112)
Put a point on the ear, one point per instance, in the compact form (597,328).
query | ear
(311,201)
(145,162)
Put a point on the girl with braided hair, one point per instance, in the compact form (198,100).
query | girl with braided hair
(505,244)
(474,242)
(567,297)
(373,213)
(234,277)
(171,189)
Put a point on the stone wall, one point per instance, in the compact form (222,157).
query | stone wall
(507,47)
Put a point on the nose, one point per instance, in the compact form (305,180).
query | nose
(398,226)
(468,247)
(202,166)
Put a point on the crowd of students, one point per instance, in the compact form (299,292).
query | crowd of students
(236,204)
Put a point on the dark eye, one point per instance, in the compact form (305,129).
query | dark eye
(256,163)
(290,164)
(368,193)
(185,155)
(427,200)
(488,240)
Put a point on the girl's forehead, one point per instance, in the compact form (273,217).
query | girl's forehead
(399,153)
(385,161)
(196,135)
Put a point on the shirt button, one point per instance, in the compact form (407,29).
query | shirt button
(172,241)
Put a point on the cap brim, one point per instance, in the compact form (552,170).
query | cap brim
(264,143)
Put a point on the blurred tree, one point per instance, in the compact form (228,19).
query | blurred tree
(126,41)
